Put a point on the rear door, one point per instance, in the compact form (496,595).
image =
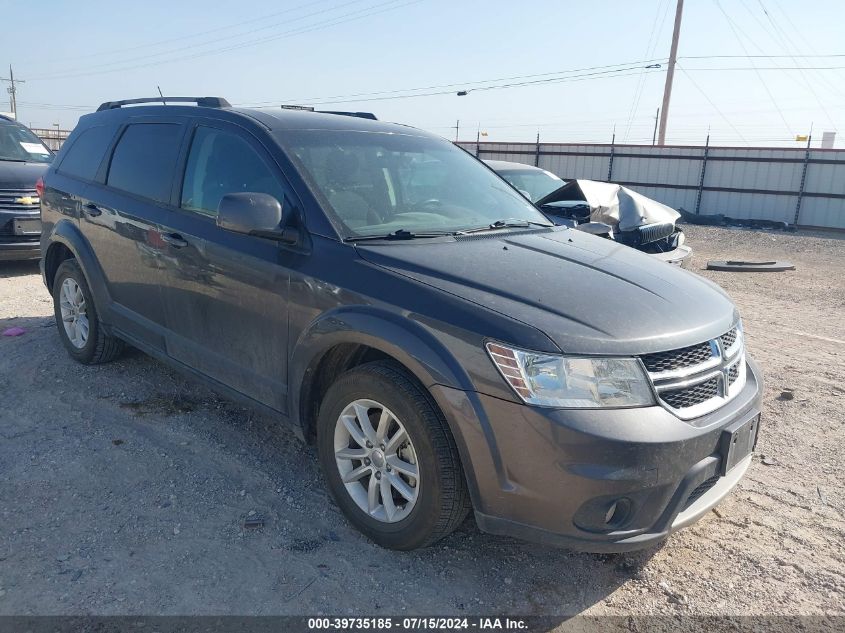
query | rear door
(226,294)
(121,220)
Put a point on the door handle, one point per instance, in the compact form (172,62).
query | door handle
(174,239)
(92,209)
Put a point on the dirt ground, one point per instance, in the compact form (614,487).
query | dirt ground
(124,487)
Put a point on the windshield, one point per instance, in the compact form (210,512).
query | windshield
(380,183)
(19,144)
(536,183)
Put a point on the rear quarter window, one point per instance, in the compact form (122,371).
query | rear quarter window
(144,160)
(85,154)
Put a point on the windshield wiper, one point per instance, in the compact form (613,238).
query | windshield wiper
(515,223)
(399,234)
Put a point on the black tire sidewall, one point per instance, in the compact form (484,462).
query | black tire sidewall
(69,269)
(414,530)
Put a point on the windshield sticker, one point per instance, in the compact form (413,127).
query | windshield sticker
(35,148)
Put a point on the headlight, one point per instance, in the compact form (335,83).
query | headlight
(548,380)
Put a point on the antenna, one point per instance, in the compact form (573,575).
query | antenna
(161,95)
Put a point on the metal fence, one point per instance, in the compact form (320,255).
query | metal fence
(805,187)
(52,137)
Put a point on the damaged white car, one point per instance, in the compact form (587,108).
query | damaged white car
(602,208)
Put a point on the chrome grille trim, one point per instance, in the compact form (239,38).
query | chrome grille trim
(724,369)
(9,197)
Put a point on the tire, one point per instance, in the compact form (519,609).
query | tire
(441,499)
(98,346)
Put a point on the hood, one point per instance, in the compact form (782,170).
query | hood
(15,175)
(613,204)
(588,294)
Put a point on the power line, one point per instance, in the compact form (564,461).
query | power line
(759,76)
(547,78)
(713,105)
(190,36)
(649,51)
(370,11)
(786,45)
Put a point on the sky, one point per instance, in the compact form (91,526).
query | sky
(750,72)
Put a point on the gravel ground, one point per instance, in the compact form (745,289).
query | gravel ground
(124,487)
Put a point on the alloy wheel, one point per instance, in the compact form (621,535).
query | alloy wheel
(74,313)
(376,461)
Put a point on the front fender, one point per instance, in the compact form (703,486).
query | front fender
(418,349)
(404,339)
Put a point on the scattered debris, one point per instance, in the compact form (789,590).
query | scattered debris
(769,461)
(117,442)
(673,595)
(718,219)
(14,331)
(717,513)
(821,496)
(786,394)
(738,266)
(253,521)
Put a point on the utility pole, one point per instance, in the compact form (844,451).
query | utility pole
(670,75)
(457,129)
(654,134)
(13,103)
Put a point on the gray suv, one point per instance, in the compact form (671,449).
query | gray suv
(401,306)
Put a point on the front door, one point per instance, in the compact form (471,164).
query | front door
(226,294)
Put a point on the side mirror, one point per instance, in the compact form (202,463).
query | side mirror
(258,214)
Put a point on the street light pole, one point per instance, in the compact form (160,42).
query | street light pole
(670,75)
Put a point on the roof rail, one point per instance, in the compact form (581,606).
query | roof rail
(206,102)
(360,115)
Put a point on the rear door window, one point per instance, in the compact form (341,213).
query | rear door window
(144,160)
(84,156)
(221,162)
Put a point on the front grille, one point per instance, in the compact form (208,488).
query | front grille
(733,373)
(9,197)
(678,359)
(653,232)
(698,379)
(691,396)
(699,491)
(729,338)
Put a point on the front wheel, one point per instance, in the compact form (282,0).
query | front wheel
(389,458)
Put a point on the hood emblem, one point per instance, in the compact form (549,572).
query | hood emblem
(27,200)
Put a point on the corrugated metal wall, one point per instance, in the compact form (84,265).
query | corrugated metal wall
(760,183)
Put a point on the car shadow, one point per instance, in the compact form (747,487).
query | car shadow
(19,268)
(184,468)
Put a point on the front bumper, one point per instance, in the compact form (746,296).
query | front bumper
(15,246)
(19,249)
(679,256)
(553,475)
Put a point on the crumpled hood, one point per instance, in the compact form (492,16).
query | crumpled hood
(15,175)
(613,204)
(588,294)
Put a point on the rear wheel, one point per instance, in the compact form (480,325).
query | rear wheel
(389,459)
(76,318)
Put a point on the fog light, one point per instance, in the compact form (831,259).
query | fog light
(617,513)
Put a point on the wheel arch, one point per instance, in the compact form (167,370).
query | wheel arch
(346,337)
(66,242)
